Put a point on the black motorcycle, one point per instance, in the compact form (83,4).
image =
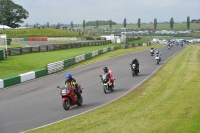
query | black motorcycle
(152,52)
(134,70)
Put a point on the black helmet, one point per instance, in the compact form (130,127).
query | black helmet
(105,69)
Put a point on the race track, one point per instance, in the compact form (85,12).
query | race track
(38,102)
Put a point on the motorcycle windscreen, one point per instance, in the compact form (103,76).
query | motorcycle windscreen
(105,76)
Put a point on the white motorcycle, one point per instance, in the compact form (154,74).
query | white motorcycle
(106,86)
(157,58)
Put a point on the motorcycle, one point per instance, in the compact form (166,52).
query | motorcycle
(107,87)
(157,58)
(152,52)
(134,70)
(69,97)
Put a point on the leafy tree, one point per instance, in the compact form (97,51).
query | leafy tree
(11,14)
(47,24)
(155,23)
(83,24)
(171,23)
(124,24)
(72,25)
(188,22)
(26,24)
(139,23)
(97,24)
(110,24)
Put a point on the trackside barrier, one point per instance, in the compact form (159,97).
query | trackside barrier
(6,82)
(94,53)
(56,66)
(51,68)
(11,81)
(80,58)
(50,47)
(27,76)
(105,50)
(41,72)
(1,83)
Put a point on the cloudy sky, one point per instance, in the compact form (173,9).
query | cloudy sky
(65,11)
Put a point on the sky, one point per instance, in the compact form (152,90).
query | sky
(65,11)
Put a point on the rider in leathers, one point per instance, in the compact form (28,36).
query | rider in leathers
(110,75)
(136,62)
(72,82)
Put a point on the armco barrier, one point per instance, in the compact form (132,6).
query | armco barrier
(11,81)
(27,76)
(41,72)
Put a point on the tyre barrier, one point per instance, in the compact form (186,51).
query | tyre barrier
(54,67)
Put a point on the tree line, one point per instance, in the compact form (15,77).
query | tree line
(12,15)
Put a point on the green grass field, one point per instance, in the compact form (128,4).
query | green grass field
(43,32)
(167,103)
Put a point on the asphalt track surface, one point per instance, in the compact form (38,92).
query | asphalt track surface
(38,102)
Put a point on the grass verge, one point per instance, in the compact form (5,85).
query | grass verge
(168,102)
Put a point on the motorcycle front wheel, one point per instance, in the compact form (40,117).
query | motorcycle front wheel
(133,73)
(66,104)
(105,89)
(80,100)
(157,61)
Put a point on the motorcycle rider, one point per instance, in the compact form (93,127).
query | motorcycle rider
(158,53)
(110,75)
(72,82)
(152,49)
(136,62)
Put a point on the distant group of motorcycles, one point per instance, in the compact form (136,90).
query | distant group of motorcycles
(170,45)
(157,55)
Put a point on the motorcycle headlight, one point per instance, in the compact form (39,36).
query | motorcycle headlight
(64,91)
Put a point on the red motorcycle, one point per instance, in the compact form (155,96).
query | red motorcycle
(69,97)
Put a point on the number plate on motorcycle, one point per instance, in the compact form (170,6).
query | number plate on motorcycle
(157,58)
(105,84)
(64,91)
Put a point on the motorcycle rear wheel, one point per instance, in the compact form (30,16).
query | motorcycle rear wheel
(80,100)
(66,104)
